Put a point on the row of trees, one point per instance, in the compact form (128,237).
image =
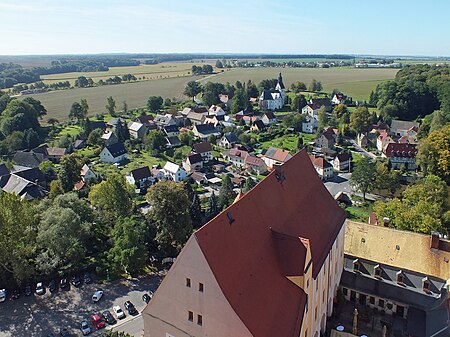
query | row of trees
(201,70)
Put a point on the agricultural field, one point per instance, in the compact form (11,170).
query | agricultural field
(357,83)
(58,102)
(142,72)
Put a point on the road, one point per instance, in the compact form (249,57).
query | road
(39,315)
(362,151)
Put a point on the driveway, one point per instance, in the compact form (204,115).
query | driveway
(39,315)
(362,151)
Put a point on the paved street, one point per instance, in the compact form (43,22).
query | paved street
(40,315)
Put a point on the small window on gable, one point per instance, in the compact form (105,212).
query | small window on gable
(190,316)
(426,284)
(188,282)
(356,266)
(200,320)
(400,277)
(377,271)
(200,287)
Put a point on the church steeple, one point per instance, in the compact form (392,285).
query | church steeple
(280,81)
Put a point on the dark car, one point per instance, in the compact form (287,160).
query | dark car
(15,294)
(64,332)
(63,284)
(146,297)
(76,281)
(130,307)
(27,290)
(108,317)
(87,278)
(52,286)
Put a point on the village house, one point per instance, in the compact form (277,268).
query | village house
(272,100)
(137,130)
(204,131)
(225,100)
(323,168)
(342,162)
(114,153)
(87,174)
(29,158)
(164,120)
(196,118)
(274,156)
(403,128)
(109,138)
(141,178)
(171,131)
(204,149)
(311,110)
(339,98)
(322,101)
(27,183)
(228,140)
(112,123)
(245,160)
(400,273)
(258,126)
(193,162)
(147,120)
(172,142)
(401,155)
(255,164)
(289,262)
(310,124)
(383,140)
(174,172)
(241,114)
(54,154)
(216,110)
(269,118)
(327,138)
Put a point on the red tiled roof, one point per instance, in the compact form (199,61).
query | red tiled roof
(252,160)
(245,255)
(403,150)
(319,162)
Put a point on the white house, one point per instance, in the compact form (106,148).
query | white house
(338,98)
(115,153)
(204,149)
(174,172)
(216,110)
(141,178)
(323,168)
(275,156)
(269,118)
(193,162)
(228,140)
(311,110)
(87,174)
(310,124)
(137,130)
(342,162)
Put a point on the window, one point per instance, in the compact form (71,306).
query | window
(345,291)
(200,287)
(188,282)
(426,284)
(307,283)
(315,314)
(400,277)
(377,271)
(200,320)
(323,296)
(306,333)
(356,266)
(307,303)
(381,303)
(190,316)
(372,300)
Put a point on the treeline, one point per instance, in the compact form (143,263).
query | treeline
(12,74)
(67,66)
(416,92)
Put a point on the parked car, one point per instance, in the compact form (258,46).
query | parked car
(97,295)
(63,284)
(87,278)
(76,281)
(2,295)
(40,289)
(52,286)
(146,297)
(50,334)
(85,328)
(27,290)
(108,317)
(97,321)
(130,307)
(64,332)
(15,294)
(119,312)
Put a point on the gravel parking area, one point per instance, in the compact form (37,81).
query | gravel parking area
(39,315)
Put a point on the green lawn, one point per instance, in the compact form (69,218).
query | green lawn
(288,142)
(360,212)
(70,130)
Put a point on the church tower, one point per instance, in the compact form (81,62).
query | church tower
(280,87)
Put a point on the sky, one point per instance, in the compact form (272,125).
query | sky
(382,27)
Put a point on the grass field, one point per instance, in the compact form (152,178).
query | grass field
(357,83)
(152,72)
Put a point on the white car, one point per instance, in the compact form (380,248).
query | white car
(119,312)
(85,328)
(40,290)
(97,295)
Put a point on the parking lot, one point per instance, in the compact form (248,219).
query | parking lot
(39,315)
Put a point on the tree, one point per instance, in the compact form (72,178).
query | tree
(252,90)
(240,101)
(298,103)
(84,104)
(294,120)
(69,172)
(154,103)
(323,119)
(219,64)
(339,110)
(226,193)
(170,213)
(52,121)
(17,237)
(208,98)
(37,106)
(95,137)
(192,89)
(31,139)
(129,252)
(112,197)
(18,116)
(363,178)
(110,105)
(155,140)
(315,85)
(195,209)
(124,107)
(438,121)
(81,82)
(187,138)
(55,189)
(360,119)
(77,112)
(248,185)
(434,154)
(300,142)
(298,87)
(213,206)
(121,131)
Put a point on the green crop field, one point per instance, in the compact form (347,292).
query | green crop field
(152,72)
(357,83)
(58,102)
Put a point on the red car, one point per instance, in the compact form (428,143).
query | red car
(97,321)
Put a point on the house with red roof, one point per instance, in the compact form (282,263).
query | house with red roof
(268,265)
(274,156)
(241,158)
(323,168)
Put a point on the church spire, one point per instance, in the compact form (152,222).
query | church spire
(280,81)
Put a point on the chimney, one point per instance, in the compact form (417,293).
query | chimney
(386,222)
(279,174)
(434,244)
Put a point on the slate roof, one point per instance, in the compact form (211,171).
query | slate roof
(34,174)
(141,173)
(270,115)
(280,81)
(170,128)
(3,170)
(29,159)
(194,158)
(97,125)
(202,147)
(397,125)
(342,157)
(251,255)
(144,119)
(267,95)
(231,137)
(259,124)
(206,129)
(116,149)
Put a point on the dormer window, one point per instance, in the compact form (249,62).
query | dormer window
(356,266)
(377,271)
(400,278)
(426,284)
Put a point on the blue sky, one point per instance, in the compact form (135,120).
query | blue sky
(395,27)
